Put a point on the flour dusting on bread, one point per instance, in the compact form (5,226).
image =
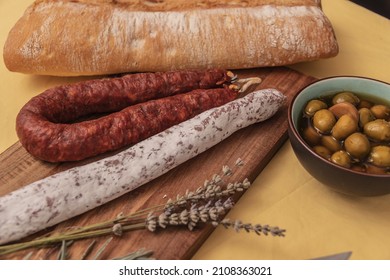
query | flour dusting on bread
(92,37)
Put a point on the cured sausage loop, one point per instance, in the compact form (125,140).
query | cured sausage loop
(61,196)
(42,123)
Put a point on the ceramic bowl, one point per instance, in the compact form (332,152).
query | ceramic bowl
(338,178)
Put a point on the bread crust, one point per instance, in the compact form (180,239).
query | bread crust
(94,37)
(179,5)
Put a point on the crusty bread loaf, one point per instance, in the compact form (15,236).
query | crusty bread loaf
(90,37)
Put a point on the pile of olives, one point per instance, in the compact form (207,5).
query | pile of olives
(350,131)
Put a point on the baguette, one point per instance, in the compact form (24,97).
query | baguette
(95,37)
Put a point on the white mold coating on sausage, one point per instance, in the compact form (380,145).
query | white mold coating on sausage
(72,192)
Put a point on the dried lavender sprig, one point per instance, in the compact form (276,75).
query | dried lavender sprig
(121,225)
(257,228)
(226,170)
(210,190)
(208,213)
(102,248)
(191,218)
(28,256)
(50,240)
(63,253)
(117,229)
(88,250)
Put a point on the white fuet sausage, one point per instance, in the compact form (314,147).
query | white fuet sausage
(72,192)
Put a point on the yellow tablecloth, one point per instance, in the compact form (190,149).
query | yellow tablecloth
(318,221)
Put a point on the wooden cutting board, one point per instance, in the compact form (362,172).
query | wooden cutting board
(255,145)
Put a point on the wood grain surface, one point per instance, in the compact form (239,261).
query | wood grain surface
(255,145)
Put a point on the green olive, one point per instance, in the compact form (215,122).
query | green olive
(345,126)
(372,169)
(380,156)
(311,136)
(341,158)
(378,130)
(314,106)
(322,151)
(324,120)
(365,104)
(365,116)
(359,168)
(331,143)
(357,145)
(345,96)
(380,111)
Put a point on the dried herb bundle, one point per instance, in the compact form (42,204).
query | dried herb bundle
(207,204)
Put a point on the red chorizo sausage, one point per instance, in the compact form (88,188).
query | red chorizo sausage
(56,142)
(41,123)
(69,102)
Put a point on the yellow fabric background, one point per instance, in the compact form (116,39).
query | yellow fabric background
(318,221)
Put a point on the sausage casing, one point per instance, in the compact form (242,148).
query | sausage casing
(56,142)
(43,124)
(69,193)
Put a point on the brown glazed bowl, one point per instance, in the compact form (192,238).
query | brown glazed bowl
(338,178)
